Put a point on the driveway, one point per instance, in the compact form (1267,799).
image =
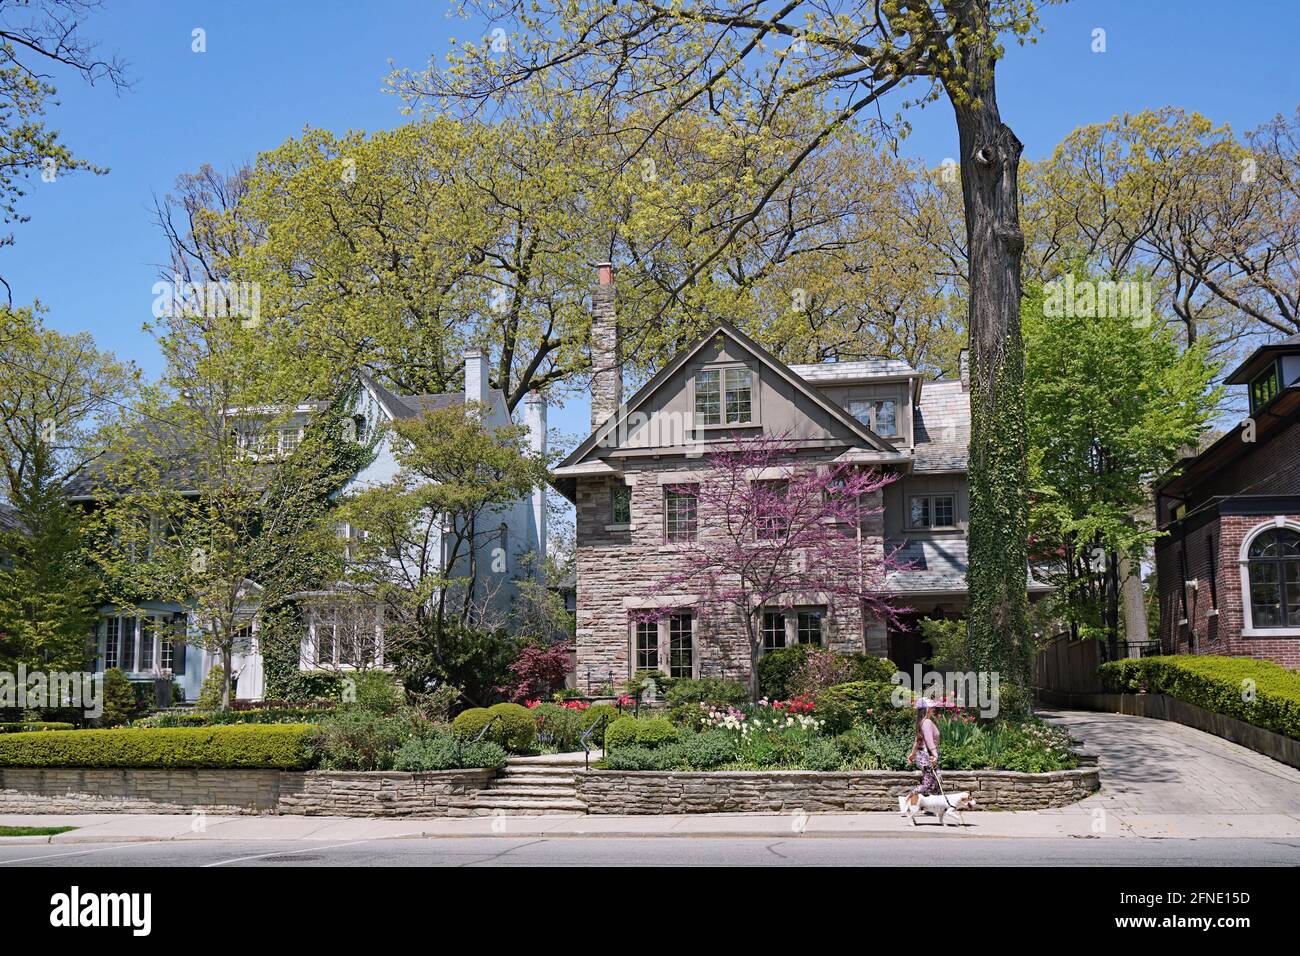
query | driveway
(1158,766)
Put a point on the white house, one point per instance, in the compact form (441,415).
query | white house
(140,645)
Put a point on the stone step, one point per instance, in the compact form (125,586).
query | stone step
(473,810)
(569,760)
(535,780)
(532,805)
(545,793)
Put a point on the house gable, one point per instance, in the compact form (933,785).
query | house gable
(660,418)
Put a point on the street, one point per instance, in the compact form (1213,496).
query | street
(670,851)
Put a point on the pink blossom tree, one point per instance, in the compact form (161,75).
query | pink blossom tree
(767,528)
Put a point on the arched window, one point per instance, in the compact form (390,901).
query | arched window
(1274,569)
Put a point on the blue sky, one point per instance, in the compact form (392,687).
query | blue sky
(91,250)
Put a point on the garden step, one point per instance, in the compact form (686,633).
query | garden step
(553,760)
(535,780)
(495,792)
(484,805)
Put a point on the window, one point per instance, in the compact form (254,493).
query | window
(724,397)
(809,629)
(932,511)
(621,505)
(647,645)
(773,631)
(112,642)
(1264,388)
(771,520)
(1274,574)
(679,513)
(878,414)
(148,634)
(346,634)
(290,439)
(681,649)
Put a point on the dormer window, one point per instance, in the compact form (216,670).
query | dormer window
(724,396)
(879,414)
(1264,388)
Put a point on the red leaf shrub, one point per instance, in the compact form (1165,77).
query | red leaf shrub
(538,672)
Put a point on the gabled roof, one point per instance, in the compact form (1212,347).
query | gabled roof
(801,385)
(1258,359)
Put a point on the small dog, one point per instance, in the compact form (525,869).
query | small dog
(912,804)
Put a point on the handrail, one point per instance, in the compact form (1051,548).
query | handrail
(482,733)
(586,735)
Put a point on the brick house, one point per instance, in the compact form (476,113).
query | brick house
(625,478)
(1228,569)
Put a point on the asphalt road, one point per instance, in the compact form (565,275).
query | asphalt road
(667,851)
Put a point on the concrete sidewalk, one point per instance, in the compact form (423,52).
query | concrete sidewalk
(1092,823)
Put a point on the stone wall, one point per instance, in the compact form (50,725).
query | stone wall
(650,792)
(315,793)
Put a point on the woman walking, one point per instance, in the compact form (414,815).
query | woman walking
(925,749)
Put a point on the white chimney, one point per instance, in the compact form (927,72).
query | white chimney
(535,422)
(476,378)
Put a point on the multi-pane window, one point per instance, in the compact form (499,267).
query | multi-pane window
(647,645)
(148,633)
(346,634)
(771,519)
(681,646)
(621,505)
(112,642)
(679,513)
(932,511)
(1264,388)
(809,627)
(880,415)
(1274,570)
(773,631)
(724,397)
(166,655)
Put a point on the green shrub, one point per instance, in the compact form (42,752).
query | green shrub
(212,688)
(515,730)
(713,748)
(860,701)
(212,718)
(588,718)
(447,752)
(558,727)
(708,690)
(637,758)
(642,681)
(777,670)
(375,691)
(32,726)
(468,723)
(648,732)
(273,747)
(819,753)
(120,703)
(865,667)
(356,739)
(1261,693)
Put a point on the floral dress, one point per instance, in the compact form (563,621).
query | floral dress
(930,741)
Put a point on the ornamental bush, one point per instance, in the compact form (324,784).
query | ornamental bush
(777,670)
(591,717)
(32,726)
(270,747)
(355,739)
(647,732)
(864,667)
(441,751)
(707,690)
(120,703)
(468,723)
(515,730)
(1261,693)
(558,727)
(857,702)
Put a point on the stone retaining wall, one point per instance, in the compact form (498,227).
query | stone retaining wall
(314,793)
(646,792)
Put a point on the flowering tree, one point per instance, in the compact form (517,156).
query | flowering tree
(768,529)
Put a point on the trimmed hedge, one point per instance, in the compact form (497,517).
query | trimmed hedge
(1218,684)
(640,732)
(240,746)
(31,726)
(516,730)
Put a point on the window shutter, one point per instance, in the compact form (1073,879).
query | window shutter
(180,626)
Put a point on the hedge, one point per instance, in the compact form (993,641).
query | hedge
(641,732)
(242,746)
(516,730)
(21,727)
(1217,684)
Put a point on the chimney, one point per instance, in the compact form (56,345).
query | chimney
(606,350)
(476,377)
(535,422)
(963,363)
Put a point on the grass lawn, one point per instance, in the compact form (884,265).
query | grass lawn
(33,831)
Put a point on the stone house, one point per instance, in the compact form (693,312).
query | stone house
(626,478)
(1228,567)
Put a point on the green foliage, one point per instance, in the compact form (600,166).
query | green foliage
(375,691)
(270,747)
(648,732)
(707,690)
(213,718)
(357,739)
(865,667)
(558,728)
(516,729)
(947,639)
(1258,692)
(439,751)
(857,702)
(777,670)
(120,702)
(654,682)
(211,690)
(32,726)
(588,718)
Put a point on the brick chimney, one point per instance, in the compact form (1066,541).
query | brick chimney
(606,349)
(963,364)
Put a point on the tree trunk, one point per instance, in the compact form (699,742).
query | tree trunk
(990,156)
(226,662)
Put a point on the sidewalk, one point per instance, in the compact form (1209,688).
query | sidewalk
(1065,822)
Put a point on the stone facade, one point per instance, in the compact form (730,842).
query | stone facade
(620,569)
(315,793)
(652,792)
